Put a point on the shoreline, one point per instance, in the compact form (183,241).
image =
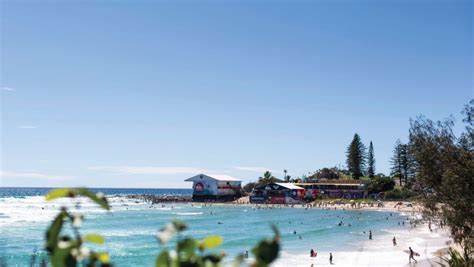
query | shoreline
(406,207)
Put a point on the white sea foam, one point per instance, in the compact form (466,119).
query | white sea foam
(37,209)
(188,213)
(128,233)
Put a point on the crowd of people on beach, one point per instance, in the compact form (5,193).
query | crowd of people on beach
(324,205)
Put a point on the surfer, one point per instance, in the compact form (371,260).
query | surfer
(412,254)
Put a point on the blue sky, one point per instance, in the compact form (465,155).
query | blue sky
(146,94)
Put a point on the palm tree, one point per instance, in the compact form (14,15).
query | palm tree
(284,178)
(267,178)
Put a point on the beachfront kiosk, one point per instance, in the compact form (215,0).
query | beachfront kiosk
(278,193)
(215,187)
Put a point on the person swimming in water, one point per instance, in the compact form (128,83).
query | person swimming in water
(370,234)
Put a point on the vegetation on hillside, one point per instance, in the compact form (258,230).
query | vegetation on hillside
(380,183)
(327,173)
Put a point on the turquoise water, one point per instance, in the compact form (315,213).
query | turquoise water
(130,228)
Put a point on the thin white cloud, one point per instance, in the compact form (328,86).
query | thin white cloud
(27,127)
(7,89)
(253,169)
(148,170)
(34,175)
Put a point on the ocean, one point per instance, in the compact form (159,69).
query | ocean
(131,226)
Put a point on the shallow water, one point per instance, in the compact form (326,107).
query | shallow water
(130,228)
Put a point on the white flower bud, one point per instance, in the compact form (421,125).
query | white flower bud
(64,244)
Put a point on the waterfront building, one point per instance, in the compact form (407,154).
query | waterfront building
(215,187)
(278,193)
(327,188)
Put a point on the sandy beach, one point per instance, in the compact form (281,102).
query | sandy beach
(380,251)
(406,207)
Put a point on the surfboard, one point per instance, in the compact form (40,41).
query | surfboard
(414,253)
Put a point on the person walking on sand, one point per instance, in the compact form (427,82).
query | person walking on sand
(330,258)
(412,254)
(394,241)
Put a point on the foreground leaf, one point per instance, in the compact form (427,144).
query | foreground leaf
(58,193)
(52,234)
(62,257)
(266,251)
(163,260)
(210,242)
(186,247)
(104,257)
(213,258)
(98,198)
(94,238)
